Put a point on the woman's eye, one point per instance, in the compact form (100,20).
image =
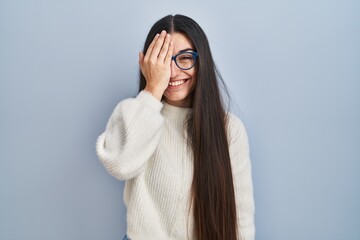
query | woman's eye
(185,58)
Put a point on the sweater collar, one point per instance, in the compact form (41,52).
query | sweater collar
(173,111)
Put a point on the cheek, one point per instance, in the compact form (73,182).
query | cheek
(192,72)
(192,85)
(193,79)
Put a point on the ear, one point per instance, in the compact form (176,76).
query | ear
(141,58)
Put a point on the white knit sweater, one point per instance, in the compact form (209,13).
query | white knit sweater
(145,144)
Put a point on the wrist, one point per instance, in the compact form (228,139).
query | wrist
(154,92)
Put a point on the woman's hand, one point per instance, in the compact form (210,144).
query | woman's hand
(156,64)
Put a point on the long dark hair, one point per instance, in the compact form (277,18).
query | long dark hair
(212,191)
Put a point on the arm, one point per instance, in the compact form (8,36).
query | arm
(131,136)
(241,168)
(133,131)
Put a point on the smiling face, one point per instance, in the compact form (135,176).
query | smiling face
(182,82)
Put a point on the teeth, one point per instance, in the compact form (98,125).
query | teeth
(177,83)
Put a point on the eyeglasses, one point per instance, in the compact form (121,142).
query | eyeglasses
(185,60)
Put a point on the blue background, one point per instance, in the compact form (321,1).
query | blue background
(292,67)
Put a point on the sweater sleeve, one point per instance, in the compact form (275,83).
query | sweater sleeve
(131,136)
(241,168)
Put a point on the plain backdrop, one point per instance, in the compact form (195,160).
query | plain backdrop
(293,70)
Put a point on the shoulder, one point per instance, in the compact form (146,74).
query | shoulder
(142,103)
(143,99)
(235,126)
(237,134)
(238,143)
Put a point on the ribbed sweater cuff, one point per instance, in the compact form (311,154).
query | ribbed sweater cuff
(149,100)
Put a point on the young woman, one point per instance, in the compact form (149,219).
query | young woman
(185,160)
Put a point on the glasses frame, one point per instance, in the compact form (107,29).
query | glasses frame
(194,54)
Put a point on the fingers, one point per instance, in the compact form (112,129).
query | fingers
(165,48)
(169,53)
(158,48)
(151,46)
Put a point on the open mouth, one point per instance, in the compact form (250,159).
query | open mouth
(177,83)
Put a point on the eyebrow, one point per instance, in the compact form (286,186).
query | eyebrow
(186,49)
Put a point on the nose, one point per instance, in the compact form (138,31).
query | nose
(175,71)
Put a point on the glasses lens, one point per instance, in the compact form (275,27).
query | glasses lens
(185,60)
